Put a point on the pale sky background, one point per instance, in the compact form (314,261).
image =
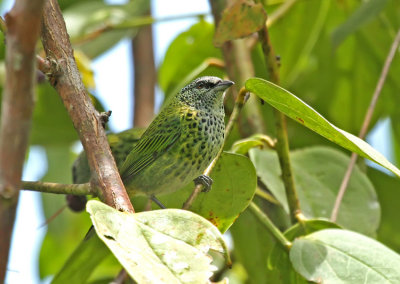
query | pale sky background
(114,90)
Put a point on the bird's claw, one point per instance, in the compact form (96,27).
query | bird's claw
(204,180)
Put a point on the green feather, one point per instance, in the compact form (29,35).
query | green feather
(161,135)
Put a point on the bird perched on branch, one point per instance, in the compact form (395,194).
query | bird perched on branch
(177,146)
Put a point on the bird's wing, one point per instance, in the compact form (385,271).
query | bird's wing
(161,135)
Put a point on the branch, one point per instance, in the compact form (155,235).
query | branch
(66,79)
(270,226)
(58,188)
(365,125)
(240,100)
(145,76)
(22,25)
(282,145)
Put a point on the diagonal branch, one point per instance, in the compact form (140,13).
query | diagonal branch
(22,25)
(66,79)
(365,125)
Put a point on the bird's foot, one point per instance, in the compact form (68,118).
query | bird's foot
(204,180)
(158,202)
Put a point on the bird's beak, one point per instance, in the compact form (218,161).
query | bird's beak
(223,85)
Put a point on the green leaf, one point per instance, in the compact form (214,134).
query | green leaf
(233,188)
(186,53)
(367,11)
(318,172)
(298,110)
(87,17)
(255,141)
(168,245)
(51,123)
(279,258)
(81,264)
(340,256)
(387,188)
(252,244)
(240,19)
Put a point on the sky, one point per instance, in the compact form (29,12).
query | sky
(114,90)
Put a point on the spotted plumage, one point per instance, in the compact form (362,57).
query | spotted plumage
(181,141)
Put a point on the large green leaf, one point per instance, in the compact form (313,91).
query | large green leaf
(387,188)
(166,246)
(80,265)
(340,256)
(298,110)
(279,257)
(318,172)
(233,188)
(252,244)
(187,52)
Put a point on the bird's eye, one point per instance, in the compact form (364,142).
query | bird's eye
(200,85)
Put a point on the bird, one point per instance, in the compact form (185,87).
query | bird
(178,145)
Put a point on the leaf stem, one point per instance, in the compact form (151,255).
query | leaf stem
(240,101)
(264,219)
(365,125)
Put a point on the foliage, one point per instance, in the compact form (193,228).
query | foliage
(329,65)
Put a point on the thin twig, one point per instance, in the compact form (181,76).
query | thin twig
(270,226)
(365,125)
(282,145)
(240,100)
(58,188)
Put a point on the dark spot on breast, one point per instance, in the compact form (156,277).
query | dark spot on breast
(203,120)
(194,125)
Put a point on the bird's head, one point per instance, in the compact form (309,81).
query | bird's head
(205,92)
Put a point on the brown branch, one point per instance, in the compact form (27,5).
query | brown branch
(365,125)
(66,79)
(145,76)
(22,25)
